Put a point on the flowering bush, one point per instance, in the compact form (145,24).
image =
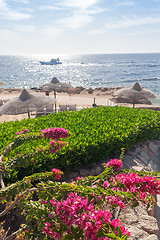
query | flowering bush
(34,154)
(142,188)
(76,216)
(55,133)
(73,210)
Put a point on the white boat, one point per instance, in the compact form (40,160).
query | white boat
(54,61)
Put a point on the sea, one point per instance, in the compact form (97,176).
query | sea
(87,70)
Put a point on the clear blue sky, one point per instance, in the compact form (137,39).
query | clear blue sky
(79,26)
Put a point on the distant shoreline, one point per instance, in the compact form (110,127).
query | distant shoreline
(83,100)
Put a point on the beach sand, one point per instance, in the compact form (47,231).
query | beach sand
(83,100)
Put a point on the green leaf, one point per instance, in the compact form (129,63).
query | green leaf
(135,204)
(119,232)
(67,237)
(110,235)
(125,237)
(148,205)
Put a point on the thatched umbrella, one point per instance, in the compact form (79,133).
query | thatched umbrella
(55,80)
(25,101)
(55,84)
(134,94)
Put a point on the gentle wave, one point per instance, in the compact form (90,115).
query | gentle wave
(96,70)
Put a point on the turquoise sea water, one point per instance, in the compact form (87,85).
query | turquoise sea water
(94,70)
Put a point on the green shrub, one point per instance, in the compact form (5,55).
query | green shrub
(96,134)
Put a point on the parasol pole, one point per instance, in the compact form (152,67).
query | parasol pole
(70,92)
(134,103)
(55,100)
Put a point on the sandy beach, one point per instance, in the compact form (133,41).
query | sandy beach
(83,100)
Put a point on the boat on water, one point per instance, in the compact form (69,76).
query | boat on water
(54,61)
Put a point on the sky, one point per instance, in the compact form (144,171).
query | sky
(79,26)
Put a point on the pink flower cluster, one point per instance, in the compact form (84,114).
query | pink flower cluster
(136,184)
(76,211)
(115,200)
(49,232)
(23,131)
(55,133)
(57,173)
(115,163)
(55,145)
(130,182)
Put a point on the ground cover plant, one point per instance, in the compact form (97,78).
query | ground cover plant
(95,134)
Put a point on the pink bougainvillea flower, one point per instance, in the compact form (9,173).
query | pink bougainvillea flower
(115,163)
(57,173)
(39,149)
(106,184)
(53,202)
(115,200)
(55,133)
(78,178)
(56,145)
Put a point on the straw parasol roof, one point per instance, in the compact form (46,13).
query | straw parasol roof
(25,101)
(55,80)
(134,94)
(54,84)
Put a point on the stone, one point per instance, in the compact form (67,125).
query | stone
(77,90)
(90,90)
(151,211)
(137,150)
(93,172)
(149,224)
(153,156)
(152,237)
(138,161)
(72,175)
(156,142)
(155,166)
(148,168)
(137,168)
(84,172)
(154,147)
(96,170)
(131,217)
(141,210)
(151,164)
(128,161)
(136,233)
(144,156)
